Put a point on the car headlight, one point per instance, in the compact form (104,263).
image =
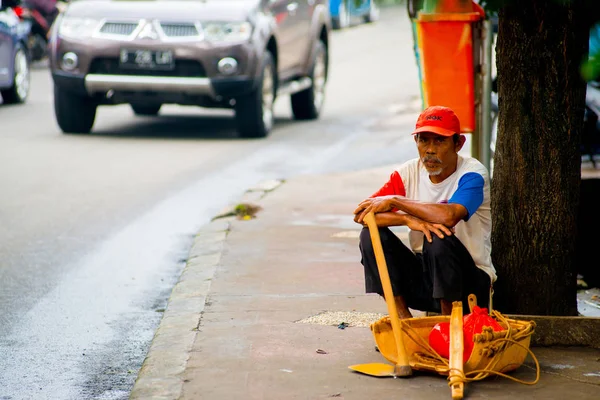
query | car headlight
(227,31)
(77,27)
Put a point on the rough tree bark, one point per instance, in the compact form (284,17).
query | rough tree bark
(537,164)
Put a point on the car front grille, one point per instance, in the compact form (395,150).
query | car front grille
(179,30)
(170,30)
(183,68)
(118,28)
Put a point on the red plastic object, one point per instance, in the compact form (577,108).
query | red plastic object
(473,323)
(19,11)
(439,337)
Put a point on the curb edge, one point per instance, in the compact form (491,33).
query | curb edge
(161,374)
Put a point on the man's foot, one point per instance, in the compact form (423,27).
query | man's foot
(401,307)
(446,307)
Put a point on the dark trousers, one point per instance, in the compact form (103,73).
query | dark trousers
(444,270)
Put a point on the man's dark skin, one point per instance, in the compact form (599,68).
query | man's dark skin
(439,155)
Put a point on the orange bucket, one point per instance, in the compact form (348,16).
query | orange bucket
(445,43)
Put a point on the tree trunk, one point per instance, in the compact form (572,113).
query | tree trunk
(537,164)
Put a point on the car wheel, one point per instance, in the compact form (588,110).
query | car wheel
(412,8)
(308,103)
(343,19)
(254,111)
(74,113)
(373,14)
(19,91)
(146,110)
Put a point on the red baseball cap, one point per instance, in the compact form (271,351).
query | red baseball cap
(439,120)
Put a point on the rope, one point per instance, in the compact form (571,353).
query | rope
(484,373)
(497,346)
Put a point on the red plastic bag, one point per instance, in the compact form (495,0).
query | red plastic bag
(473,324)
(439,337)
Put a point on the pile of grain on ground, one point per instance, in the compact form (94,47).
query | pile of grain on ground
(351,318)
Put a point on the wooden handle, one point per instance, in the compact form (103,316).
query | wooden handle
(402,366)
(472,302)
(457,385)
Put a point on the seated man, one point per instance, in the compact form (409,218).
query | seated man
(444,199)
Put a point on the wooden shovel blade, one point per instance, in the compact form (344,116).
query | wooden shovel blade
(379,370)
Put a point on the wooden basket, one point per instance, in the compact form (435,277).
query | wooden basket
(500,352)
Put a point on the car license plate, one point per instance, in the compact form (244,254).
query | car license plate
(147,59)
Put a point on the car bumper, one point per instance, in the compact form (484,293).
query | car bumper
(71,82)
(93,84)
(98,83)
(195,73)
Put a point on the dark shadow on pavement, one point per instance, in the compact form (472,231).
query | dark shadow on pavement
(40,65)
(180,127)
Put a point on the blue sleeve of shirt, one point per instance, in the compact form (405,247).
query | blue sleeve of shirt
(469,193)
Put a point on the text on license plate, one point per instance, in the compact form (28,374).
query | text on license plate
(161,59)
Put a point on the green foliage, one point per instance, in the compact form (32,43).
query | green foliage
(493,6)
(389,2)
(590,69)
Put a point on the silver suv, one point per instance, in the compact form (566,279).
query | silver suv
(238,54)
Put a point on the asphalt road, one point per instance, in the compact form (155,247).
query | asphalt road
(95,229)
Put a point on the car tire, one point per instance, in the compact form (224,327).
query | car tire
(412,6)
(19,91)
(373,14)
(308,103)
(254,111)
(74,113)
(343,19)
(146,110)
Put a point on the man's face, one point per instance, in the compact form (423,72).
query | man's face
(438,153)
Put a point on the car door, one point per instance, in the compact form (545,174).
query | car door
(302,39)
(290,26)
(6,47)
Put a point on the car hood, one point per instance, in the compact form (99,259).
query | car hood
(165,10)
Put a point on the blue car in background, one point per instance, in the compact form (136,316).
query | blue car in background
(14,55)
(348,12)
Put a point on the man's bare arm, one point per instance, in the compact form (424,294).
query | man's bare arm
(387,219)
(444,214)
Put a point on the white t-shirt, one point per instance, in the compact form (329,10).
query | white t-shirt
(469,186)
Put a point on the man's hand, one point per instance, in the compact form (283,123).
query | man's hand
(374,204)
(427,228)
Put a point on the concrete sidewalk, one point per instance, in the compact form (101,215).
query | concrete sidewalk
(232,330)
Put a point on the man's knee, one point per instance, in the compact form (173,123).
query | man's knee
(439,246)
(365,244)
(365,238)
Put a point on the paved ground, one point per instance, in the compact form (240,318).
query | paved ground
(94,228)
(231,330)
